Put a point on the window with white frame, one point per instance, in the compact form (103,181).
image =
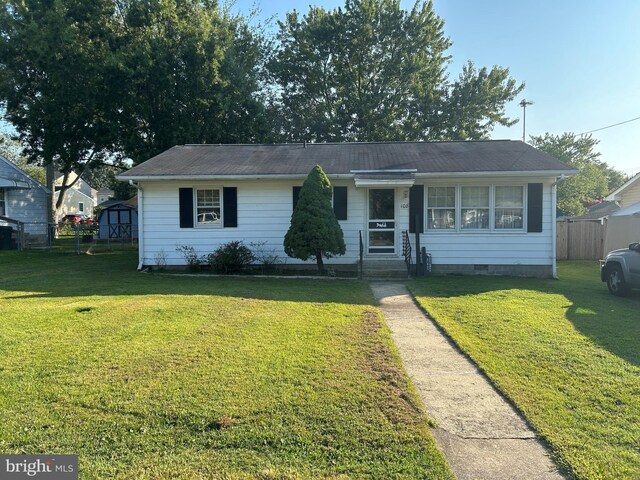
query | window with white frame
(81,207)
(208,207)
(441,208)
(3,204)
(509,207)
(474,208)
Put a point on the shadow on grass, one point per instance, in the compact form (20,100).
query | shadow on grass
(611,322)
(53,274)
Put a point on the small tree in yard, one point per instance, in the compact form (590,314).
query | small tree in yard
(314,229)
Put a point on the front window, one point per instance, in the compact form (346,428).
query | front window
(80,206)
(3,205)
(441,208)
(208,210)
(474,210)
(509,207)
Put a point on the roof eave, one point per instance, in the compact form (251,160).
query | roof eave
(616,194)
(141,178)
(511,173)
(508,173)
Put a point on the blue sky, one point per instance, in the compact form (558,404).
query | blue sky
(580,61)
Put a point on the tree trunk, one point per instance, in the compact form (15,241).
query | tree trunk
(62,191)
(319,262)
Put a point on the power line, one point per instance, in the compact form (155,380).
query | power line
(609,126)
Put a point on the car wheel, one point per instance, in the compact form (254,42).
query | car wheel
(615,281)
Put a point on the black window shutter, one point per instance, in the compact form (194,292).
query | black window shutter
(416,207)
(230,206)
(534,207)
(186,207)
(296,195)
(340,202)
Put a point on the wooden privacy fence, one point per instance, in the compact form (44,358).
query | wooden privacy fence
(580,240)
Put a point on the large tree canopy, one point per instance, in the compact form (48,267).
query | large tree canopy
(374,71)
(595,180)
(86,83)
(56,80)
(191,76)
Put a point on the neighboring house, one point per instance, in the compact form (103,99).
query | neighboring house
(623,228)
(118,219)
(628,194)
(597,212)
(80,198)
(22,199)
(103,195)
(481,206)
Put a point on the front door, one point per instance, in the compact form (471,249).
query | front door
(382,221)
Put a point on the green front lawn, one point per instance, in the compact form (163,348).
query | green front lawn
(156,376)
(566,352)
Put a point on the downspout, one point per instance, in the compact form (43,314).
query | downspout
(140,223)
(554,271)
(554,201)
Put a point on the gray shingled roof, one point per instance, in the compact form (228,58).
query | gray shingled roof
(342,158)
(598,211)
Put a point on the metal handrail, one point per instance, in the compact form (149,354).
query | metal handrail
(361,261)
(406,250)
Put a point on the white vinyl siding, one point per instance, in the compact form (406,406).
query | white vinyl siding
(631,195)
(264,215)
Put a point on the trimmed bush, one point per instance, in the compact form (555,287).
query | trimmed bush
(314,231)
(231,257)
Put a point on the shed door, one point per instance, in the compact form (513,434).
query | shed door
(119,223)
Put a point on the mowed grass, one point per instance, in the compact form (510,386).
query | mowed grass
(157,376)
(566,352)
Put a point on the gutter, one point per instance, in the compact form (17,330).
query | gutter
(140,223)
(36,183)
(191,178)
(554,202)
(554,235)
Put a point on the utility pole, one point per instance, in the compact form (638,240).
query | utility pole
(524,104)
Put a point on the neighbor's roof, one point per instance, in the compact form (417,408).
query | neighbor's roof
(598,211)
(633,209)
(15,177)
(429,158)
(130,203)
(615,195)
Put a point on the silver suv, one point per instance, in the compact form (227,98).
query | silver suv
(621,269)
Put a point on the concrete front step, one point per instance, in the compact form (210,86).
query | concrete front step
(388,275)
(384,269)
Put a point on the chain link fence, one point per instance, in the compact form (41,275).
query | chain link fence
(66,237)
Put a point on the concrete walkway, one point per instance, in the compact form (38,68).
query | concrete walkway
(480,434)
